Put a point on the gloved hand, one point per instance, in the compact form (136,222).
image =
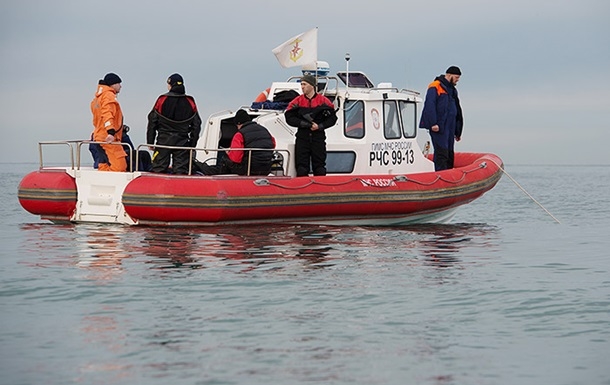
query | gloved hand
(109,139)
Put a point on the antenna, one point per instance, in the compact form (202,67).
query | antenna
(347,57)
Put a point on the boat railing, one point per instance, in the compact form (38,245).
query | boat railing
(219,113)
(382,89)
(75,148)
(408,91)
(69,143)
(131,151)
(282,162)
(324,84)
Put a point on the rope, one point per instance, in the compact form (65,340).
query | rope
(398,178)
(269,183)
(402,178)
(526,193)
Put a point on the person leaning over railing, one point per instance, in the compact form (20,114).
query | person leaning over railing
(240,161)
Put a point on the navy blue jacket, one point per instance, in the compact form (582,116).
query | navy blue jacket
(442,108)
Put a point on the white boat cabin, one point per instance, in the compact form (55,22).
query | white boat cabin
(375,131)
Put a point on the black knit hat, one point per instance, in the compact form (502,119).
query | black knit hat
(309,79)
(241,117)
(175,80)
(111,78)
(453,70)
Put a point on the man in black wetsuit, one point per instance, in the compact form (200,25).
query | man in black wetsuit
(173,121)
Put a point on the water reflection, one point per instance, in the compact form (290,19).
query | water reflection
(442,244)
(99,250)
(449,249)
(170,249)
(42,239)
(123,314)
(252,246)
(314,245)
(102,249)
(66,244)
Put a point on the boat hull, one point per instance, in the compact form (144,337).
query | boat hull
(337,200)
(148,198)
(50,193)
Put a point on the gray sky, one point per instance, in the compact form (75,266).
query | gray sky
(534,85)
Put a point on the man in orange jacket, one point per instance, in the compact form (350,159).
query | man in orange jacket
(108,122)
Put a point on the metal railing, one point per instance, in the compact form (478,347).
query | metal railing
(75,150)
(286,159)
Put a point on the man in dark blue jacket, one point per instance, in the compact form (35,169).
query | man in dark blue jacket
(442,117)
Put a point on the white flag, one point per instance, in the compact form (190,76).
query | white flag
(299,50)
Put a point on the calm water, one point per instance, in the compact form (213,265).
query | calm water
(504,295)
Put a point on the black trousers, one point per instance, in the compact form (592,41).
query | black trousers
(310,153)
(179,159)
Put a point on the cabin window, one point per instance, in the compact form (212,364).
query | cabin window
(409,118)
(340,162)
(391,121)
(353,116)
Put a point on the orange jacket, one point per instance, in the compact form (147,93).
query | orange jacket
(107,114)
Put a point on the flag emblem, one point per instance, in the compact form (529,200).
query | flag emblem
(298,50)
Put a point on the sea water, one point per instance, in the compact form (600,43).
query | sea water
(508,293)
